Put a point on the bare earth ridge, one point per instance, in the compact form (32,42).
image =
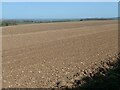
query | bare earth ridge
(40,55)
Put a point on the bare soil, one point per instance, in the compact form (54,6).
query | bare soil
(43,55)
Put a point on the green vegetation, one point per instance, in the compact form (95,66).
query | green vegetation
(10,22)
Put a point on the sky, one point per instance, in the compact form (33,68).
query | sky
(60,0)
(58,10)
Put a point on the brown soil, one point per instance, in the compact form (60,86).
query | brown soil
(42,55)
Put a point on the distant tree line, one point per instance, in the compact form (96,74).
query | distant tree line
(8,23)
(32,21)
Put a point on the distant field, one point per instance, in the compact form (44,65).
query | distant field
(40,55)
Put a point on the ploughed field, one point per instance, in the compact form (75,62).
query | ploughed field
(47,54)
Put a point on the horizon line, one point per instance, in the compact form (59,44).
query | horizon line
(62,18)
